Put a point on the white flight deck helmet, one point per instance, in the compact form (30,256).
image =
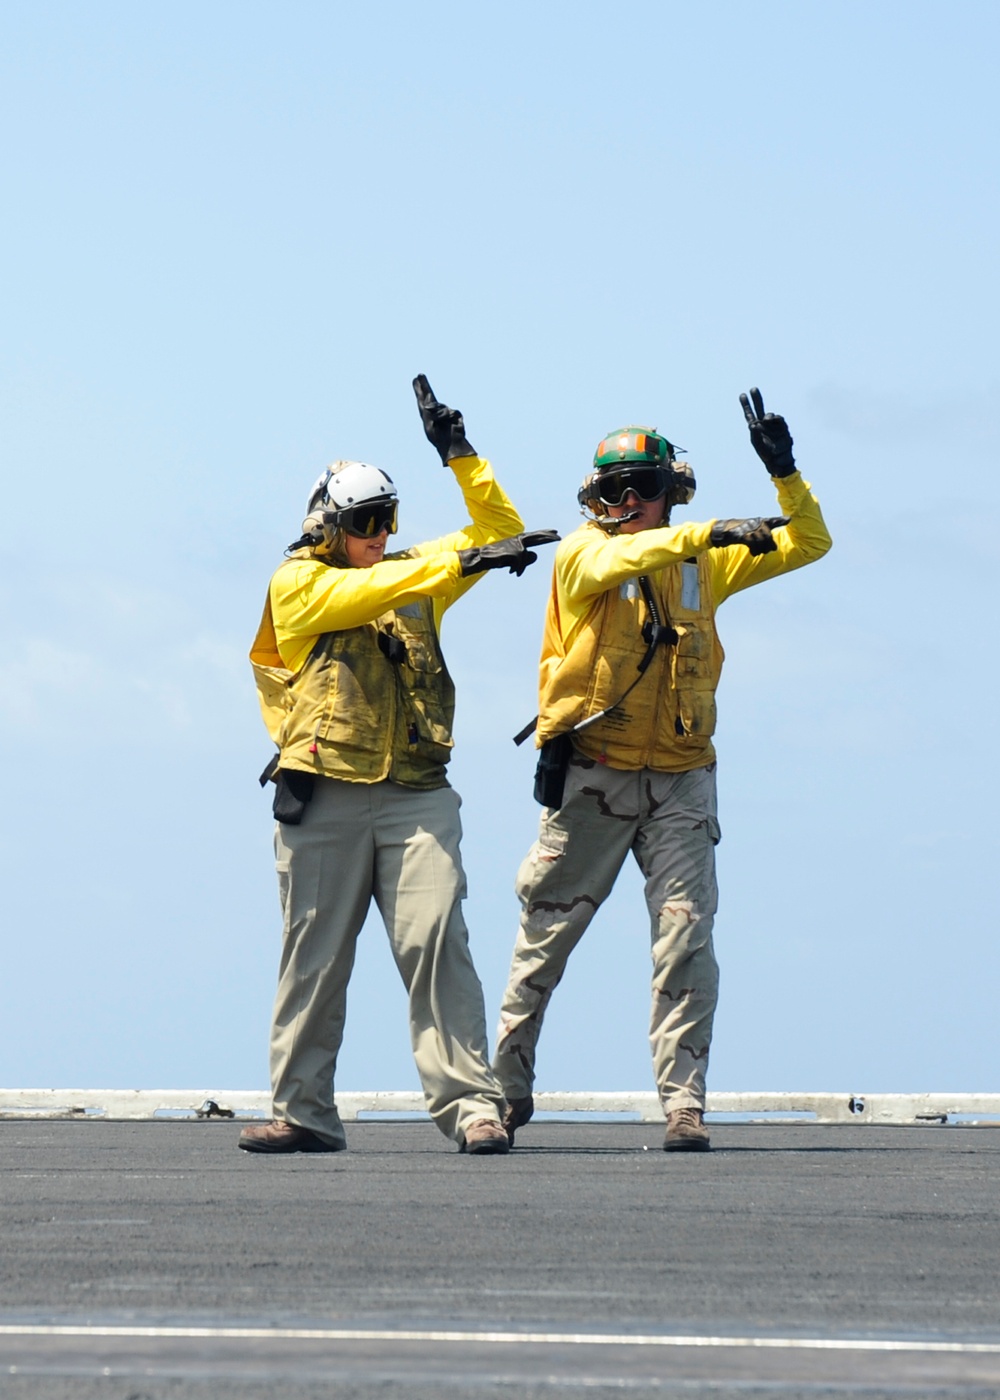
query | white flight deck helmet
(353,497)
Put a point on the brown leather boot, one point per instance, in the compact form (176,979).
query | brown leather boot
(484,1136)
(518,1113)
(282,1137)
(686,1131)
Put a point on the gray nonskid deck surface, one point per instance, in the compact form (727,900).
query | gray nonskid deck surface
(386,1387)
(39,1387)
(785,1232)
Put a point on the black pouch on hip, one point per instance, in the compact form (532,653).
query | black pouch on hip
(550,774)
(293,792)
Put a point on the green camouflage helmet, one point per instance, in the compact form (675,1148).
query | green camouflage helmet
(630,448)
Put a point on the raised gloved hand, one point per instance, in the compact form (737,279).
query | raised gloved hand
(769,434)
(755,533)
(514,553)
(444,426)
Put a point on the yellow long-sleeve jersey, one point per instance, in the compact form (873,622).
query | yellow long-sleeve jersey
(593,639)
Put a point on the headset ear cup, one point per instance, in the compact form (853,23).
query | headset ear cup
(322,526)
(587,497)
(682,486)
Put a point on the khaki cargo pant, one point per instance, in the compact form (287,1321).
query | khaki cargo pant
(668,821)
(401,846)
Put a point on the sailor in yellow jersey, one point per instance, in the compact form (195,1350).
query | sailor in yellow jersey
(356,695)
(629,668)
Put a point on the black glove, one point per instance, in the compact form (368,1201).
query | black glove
(769,434)
(444,426)
(514,553)
(755,533)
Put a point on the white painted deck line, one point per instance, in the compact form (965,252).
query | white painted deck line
(125,1105)
(595,1339)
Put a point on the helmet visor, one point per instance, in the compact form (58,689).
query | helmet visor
(648,484)
(369,518)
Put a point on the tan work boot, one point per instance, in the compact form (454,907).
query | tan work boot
(518,1113)
(485,1136)
(686,1131)
(277,1136)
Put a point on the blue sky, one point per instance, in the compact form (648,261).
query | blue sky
(232,235)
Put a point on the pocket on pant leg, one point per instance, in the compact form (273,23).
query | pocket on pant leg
(714,829)
(284,878)
(551,843)
(544,855)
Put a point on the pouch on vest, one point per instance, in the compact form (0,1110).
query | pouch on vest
(293,792)
(550,774)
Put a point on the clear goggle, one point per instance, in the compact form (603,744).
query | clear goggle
(647,483)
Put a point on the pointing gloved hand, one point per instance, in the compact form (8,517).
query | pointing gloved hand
(755,533)
(769,434)
(515,553)
(444,426)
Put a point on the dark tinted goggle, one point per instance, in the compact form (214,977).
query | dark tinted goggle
(369,518)
(648,483)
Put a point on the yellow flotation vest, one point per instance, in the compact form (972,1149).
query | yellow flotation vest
(668,720)
(369,703)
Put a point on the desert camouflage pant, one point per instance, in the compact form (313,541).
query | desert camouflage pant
(668,821)
(400,846)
